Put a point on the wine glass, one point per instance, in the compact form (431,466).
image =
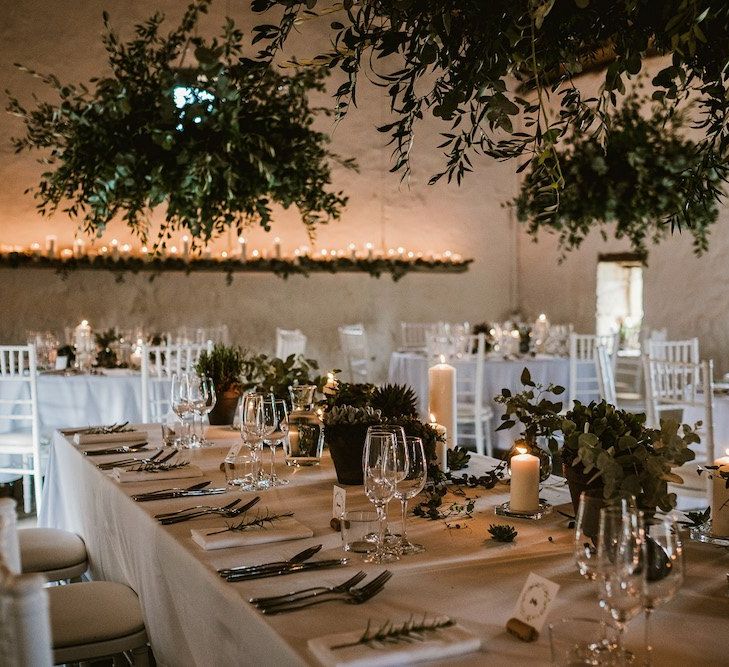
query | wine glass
(202,398)
(252,430)
(180,403)
(619,567)
(664,568)
(380,475)
(275,416)
(413,464)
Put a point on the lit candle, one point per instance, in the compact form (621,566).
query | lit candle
(173,251)
(442,398)
(35,249)
(114,249)
(370,249)
(223,255)
(305,250)
(126,250)
(442,432)
(207,253)
(353,252)
(78,248)
(448,255)
(401,252)
(411,255)
(524,482)
(186,246)
(103,250)
(145,252)
(720,499)
(277,248)
(330,388)
(51,246)
(324,254)
(255,254)
(242,249)
(66,254)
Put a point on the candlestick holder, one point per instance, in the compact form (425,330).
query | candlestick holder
(505,510)
(702,533)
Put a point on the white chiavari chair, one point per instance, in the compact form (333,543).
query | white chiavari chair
(79,622)
(605,375)
(583,375)
(674,386)
(159,364)
(472,409)
(685,351)
(201,335)
(21,438)
(414,335)
(288,342)
(353,341)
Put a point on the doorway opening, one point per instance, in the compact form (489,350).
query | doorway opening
(620,298)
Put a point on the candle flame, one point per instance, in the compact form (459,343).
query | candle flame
(442,358)
(521,450)
(432,418)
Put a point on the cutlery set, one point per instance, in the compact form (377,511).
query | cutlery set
(228,511)
(196,490)
(125,463)
(126,449)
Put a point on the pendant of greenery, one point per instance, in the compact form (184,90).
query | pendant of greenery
(635,179)
(456,60)
(242,141)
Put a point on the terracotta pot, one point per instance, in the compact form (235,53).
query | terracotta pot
(224,411)
(579,482)
(346,446)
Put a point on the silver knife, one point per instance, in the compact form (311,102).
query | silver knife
(290,569)
(180,494)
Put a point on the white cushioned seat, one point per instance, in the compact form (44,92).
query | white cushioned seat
(93,612)
(16,439)
(59,554)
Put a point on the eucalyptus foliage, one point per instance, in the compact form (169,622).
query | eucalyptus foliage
(457,60)
(633,180)
(242,141)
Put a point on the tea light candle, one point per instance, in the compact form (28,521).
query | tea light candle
(255,254)
(78,248)
(35,249)
(186,246)
(51,246)
(441,431)
(524,482)
(277,248)
(223,255)
(114,249)
(66,254)
(126,250)
(207,253)
(370,250)
(720,499)
(442,398)
(352,252)
(242,249)
(145,252)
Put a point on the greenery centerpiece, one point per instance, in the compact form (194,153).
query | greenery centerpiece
(607,451)
(271,375)
(224,366)
(183,123)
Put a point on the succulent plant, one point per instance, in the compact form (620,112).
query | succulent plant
(458,458)
(502,532)
(395,400)
(350,415)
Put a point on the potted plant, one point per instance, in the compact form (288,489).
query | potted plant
(224,366)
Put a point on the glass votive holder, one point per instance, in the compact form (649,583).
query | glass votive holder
(241,470)
(173,433)
(584,641)
(359,531)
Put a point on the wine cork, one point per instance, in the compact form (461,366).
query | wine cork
(521,630)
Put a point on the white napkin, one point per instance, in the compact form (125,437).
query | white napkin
(122,475)
(280,530)
(444,643)
(98,438)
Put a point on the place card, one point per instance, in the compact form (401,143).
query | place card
(532,607)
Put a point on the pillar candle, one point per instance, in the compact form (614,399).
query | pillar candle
(370,249)
(186,246)
(442,398)
(242,248)
(114,249)
(277,248)
(720,499)
(78,248)
(35,249)
(524,483)
(51,246)
(441,447)
(353,252)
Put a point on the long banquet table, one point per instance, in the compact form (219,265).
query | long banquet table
(196,618)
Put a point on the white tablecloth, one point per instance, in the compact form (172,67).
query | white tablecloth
(196,618)
(81,400)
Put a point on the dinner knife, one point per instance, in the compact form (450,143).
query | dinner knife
(297,558)
(194,487)
(289,569)
(126,449)
(180,494)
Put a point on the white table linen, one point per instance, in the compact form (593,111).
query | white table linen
(196,618)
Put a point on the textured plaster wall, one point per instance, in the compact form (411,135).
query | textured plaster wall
(63,38)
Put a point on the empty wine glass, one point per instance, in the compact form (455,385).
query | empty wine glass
(412,473)
(663,570)
(202,399)
(275,416)
(619,567)
(180,403)
(253,429)
(380,474)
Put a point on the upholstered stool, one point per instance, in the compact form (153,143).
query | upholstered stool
(56,554)
(96,619)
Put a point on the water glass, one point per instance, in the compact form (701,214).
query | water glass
(241,469)
(180,403)
(359,530)
(582,641)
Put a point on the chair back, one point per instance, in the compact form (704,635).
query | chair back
(584,385)
(288,342)
(605,375)
(159,364)
(685,351)
(415,335)
(469,374)
(202,335)
(353,341)
(674,385)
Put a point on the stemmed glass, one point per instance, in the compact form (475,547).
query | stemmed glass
(380,476)
(663,570)
(412,473)
(275,416)
(180,403)
(201,395)
(253,430)
(619,566)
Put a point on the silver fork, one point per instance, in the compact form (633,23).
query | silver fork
(352,596)
(225,510)
(129,462)
(169,515)
(315,591)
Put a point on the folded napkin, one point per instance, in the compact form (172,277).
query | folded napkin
(443,643)
(123,437)
(286,528)
(123,475)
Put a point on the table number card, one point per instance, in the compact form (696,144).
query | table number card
(339,502)
(535,600)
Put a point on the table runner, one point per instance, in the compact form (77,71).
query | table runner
(196,618)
